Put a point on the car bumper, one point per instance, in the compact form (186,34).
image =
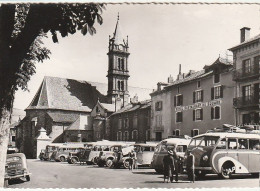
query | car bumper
(17,176)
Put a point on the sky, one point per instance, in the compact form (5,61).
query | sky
(160,38)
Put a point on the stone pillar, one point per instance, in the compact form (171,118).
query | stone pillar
(42,141)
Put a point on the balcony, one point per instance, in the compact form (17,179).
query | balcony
(246,73)
(246,101)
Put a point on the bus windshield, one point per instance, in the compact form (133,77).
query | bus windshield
(209,141)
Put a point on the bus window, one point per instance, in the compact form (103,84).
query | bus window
(106,149)
(242,144)
(254,144)
(209,141)
(221,144)
(152,148)
(232,144)
(196,141)
(146,148)
(164,148)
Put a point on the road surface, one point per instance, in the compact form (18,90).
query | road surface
(63,175)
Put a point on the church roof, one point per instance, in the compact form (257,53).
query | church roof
(134,106)
(80,124)
(62,118)
(109,107)
(75,95)
(117,36)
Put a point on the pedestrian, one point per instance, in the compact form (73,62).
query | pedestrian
(190,167)
(168,166)
(176,165)
(131,160)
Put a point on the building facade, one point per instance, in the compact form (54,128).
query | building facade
(195,102)
(246,57)
(131,123)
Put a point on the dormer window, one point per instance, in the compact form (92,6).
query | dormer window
(216,78)
(198,84)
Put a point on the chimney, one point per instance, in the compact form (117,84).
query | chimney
(170,79)
(159,86)
(244,34)
(179,68)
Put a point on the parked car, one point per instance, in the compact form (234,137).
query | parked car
(16,167)
(161,149)
(62,153)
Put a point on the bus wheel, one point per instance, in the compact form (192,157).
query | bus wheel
(62,159)
(28,178)
(74,160)
(159,171)
(227,169)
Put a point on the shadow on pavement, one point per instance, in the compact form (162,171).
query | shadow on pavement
(216,177)
(146,173)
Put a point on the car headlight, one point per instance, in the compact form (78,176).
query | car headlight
(205,158)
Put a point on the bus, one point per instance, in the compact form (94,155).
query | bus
(225,154)
(162,148)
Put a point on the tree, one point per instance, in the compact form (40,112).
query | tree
(22,27)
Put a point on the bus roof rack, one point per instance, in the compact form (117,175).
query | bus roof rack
(236,129)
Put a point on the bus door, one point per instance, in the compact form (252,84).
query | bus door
(254,155)
(243,154)
(232,148)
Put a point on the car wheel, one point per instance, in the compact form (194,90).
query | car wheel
(94,160)
(62,159)
(109,163)
(126,164)
(6,183)
(28,178)
(73,160)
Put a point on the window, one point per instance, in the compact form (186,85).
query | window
(122,85)
(178,100)
(135,121)
(242,144)
(254,144)
(147,135)
(126,136)
(158,106)
(222,144)
(119,136)
(118,85)
(246,118)
(177,132)
(126,123)
(246,91)
(247,66)
(122,64)
(119,63)
(158,120)
(134,135)
(119,123)
(178,89)
(216,78)
(194,132)
(217,92)
(198,114)
(198,96)
(232,144)
(179,117)
(215,112)
(198,84)
(13,138)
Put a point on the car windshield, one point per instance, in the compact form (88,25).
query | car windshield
(13,159)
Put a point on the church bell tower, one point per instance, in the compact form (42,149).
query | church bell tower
(118,73)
